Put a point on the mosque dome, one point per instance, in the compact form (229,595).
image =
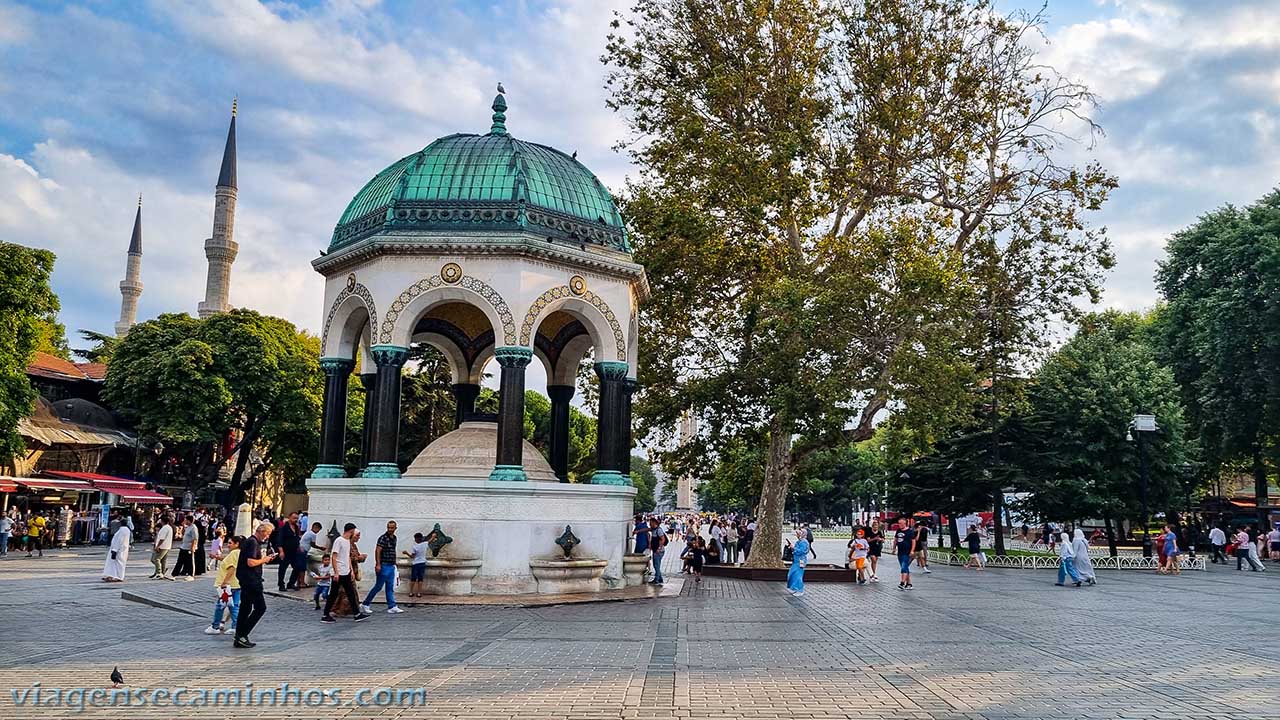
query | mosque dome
(466,183)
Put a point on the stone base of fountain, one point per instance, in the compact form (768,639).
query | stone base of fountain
(448,576)
(633,567)
(558,576)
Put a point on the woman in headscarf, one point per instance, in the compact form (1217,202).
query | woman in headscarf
(799,558)
(1082,563)
(1066,564)
(117,555)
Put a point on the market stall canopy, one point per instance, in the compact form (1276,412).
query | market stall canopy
(8,484)
(129,491)
(56,484)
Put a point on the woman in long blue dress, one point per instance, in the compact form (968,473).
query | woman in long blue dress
(799,557)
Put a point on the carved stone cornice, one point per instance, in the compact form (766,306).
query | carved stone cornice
(523,245)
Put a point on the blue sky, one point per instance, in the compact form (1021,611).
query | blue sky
(103,100)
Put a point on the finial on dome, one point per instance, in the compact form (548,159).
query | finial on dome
(139,199)
(235,99)
(499,106)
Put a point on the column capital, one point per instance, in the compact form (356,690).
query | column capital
(337,365)
(513,356)
(563,393)
(612,370)
(389,355)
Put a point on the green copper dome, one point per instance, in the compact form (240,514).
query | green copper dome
(482,183)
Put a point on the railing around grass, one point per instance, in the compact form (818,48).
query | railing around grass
(1048,562)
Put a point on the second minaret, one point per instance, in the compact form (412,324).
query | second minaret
(220,250)
(131,286)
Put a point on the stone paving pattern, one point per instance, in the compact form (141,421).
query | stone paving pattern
(1000,645)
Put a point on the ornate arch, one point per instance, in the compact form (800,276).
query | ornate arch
(579,292)
(451,277)
(353,289)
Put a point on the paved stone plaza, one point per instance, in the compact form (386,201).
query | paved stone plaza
(1004,644)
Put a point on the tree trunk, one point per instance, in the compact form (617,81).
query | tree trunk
(766,549)
(1260,489)
(235,489)
(1111,536)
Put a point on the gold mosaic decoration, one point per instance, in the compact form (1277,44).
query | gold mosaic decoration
(479,287)
(564,291)
(577,285)
(451,273)
(352,288)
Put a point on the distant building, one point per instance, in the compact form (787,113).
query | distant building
(686,486)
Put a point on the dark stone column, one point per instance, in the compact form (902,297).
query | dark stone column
(369,380)
(609,430)
(560,396)
(386,418)
(510,465)
(464,396)
(333,421)
(629,388)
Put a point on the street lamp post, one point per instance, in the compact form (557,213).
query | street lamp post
(1143,424)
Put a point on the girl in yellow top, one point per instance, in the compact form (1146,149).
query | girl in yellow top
(226,588)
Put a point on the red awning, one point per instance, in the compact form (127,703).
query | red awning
(42,484)
(8,484)
(102,482)
(142,497)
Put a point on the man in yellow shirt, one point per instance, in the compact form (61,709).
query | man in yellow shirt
(35,529)
(226,588)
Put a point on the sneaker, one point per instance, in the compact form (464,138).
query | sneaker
(211,630)
(366,610)
(394,610)
(927,571)
(188,578)
(328,619)
(799,594)
(908,586)
(902,586)
(242,643)
(362,616)
(875,579)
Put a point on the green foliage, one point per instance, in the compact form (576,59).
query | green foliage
(53,337)
(103,346)
(829,482)
(192,383)
(734,481)
(830,195)
(644,480)
(582,434)
(1221,332)
(27,303)
(427,405)
(1084,398)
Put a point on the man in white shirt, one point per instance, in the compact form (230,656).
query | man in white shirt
(340,555)
(160,548)
(6,527)
(1218,539)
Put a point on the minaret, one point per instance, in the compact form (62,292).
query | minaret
(131,286)
(220,249)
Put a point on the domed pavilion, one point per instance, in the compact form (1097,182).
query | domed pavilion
(485,247)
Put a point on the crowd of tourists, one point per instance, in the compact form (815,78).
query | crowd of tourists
(29,532)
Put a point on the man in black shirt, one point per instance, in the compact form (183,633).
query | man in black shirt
(253,604)
(904,543)
(384,564)
(287,539)
(922,547)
